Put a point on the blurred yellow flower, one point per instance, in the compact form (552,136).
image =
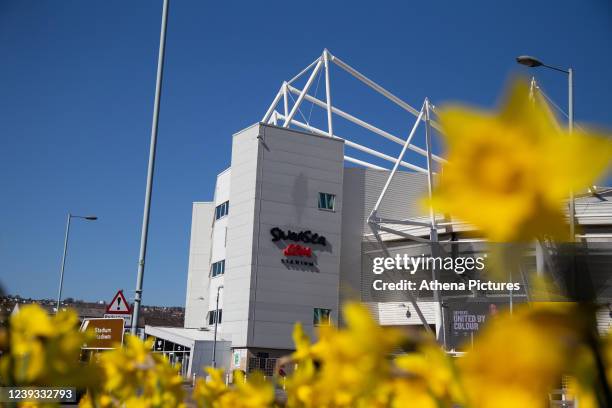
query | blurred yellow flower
(45,351)
(353,367)
(135,377)
(412,392)
(354,360)
(431,368)
(509,172)
(301,340)
(207,391)
(518,359)
(213,393)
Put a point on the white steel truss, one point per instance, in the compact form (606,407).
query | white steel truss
(288,115)
(384,229)
(424,115)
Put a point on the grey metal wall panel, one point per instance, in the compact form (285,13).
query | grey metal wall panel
(403,198)
(362,187)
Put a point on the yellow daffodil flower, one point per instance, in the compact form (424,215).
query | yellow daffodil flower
(135,377)
(518,359)
(45,350)
(213,393)
(509,172)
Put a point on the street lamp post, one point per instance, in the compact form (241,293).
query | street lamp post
(214,355)
(61,283)
(604,396)
(144,235)
(533,63)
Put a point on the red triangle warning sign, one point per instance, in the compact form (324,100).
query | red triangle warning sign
(119,305)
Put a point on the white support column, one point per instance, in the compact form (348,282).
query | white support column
(374,85)
(570,123)
(302,72)
(383,220)
(363,163)
(394,231)
(266,117)
(532,87)
(285,99)
(432,215)
(539,256)
(397,162)
(383,156)
(330,129)
(433,235)
(300,98)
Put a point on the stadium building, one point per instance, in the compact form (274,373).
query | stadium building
(297,220)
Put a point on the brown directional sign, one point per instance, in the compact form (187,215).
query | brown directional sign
(108,333)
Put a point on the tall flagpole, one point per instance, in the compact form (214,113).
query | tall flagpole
(151,169)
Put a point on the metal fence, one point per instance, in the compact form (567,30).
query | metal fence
(264,365)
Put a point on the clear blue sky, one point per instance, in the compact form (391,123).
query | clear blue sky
(77,83)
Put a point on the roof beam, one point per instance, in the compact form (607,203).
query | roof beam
(366,125)
(378,88)
(356,145)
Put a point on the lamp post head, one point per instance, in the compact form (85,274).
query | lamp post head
(529,61)
(91,217)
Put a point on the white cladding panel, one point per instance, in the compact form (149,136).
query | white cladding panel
(222,194)
(219,242)
(294,168)
(196,303)
(237,292)
(222,188)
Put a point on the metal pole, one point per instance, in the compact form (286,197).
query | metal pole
(150,170)
(411,297)
(532,87)
(214,356)
(330,129)
(398,161)
(433,232)
(300,98)
(285,100)
(570,115)
(511,295)
(268,113)
(432,215)
(61,283)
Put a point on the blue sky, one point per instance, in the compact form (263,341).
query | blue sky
(77,84)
